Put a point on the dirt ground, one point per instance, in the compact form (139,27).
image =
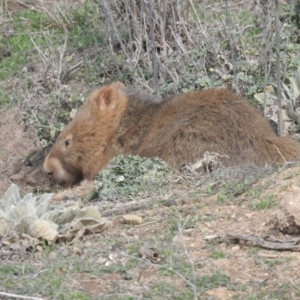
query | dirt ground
(20,154)
(183,238)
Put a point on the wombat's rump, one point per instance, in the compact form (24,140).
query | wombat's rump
(119,120)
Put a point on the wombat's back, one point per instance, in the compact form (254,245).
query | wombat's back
(215,120)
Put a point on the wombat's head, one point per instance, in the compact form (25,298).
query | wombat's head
(83,147)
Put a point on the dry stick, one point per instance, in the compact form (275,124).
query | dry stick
(144,82)
(23,4)
(114,26)
(278,80)
(64,17)
(256,241)
(199,22)
(126,208)
(162,27)
(232,56)
(174,30)
(139,47)
(187,34)
(19,296)
(135,28)
(144,27)
(175,35)
(154,60)
(135,25)
(279,153)
(51,16)
(247,187)
(61,56)
(38,49)
(128,14)
(173,74)
(193,285)
(110,19)
(264,18)
(74,67)
(5,21)
(3,29)
(134,33)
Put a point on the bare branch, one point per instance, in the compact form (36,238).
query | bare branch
(19,296)
(278,73)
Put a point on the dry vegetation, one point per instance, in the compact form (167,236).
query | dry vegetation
(58,51)
(190,245)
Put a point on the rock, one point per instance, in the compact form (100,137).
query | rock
(132,219)
(287,218)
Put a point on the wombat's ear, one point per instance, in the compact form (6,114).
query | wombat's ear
(108,98)
(118,85)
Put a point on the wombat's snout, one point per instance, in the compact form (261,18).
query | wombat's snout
(47,169)
(53,169)
(49,174)
(56,172)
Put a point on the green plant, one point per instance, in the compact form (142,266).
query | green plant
(275,262)
(20,41)
(33,216)
(129,176)
(242,287)
(78,295)
(218,255)
(264,203)
(254,192)
(22,215)
(213,281)
(223,197)
(14,269)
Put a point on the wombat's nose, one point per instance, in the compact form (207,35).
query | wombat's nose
(47,170)
(48,173)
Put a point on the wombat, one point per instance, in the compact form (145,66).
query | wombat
(120,120)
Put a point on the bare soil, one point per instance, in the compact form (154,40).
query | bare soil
(20,154)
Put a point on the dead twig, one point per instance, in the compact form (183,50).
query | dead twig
(252,240)
(19,296)
(126,208)
(278,73)
(247,186)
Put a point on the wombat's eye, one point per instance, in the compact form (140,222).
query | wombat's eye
(67,142)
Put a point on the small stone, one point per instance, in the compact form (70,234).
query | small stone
(235,248)
(101,260)
(132,219)
(65,253)
(249,215)
(127,277)
(52,255)
(171,202)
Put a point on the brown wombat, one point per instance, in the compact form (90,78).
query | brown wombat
(119,120)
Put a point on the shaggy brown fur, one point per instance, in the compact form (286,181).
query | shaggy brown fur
(119,120)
